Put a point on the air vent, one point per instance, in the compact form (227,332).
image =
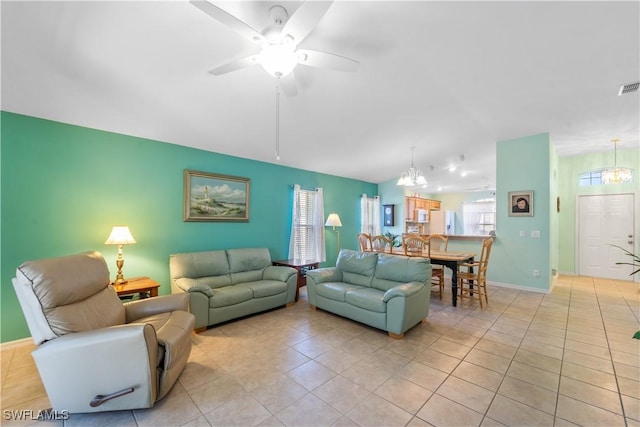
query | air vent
(628,88)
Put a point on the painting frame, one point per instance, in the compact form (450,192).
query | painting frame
(516,207)
(227,201)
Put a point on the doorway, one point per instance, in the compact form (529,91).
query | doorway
(605,220)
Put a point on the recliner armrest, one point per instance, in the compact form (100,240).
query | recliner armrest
(404,290)
(148,307)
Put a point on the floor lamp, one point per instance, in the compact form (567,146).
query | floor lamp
(333,220)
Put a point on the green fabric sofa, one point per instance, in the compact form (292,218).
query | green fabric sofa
(388,292)
(227,284)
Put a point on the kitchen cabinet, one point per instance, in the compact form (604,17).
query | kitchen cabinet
(414,206)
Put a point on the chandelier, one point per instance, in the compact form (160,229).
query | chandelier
(616,175)
(413,177)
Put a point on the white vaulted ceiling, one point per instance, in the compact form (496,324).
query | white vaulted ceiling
(450,78)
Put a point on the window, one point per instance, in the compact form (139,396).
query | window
(307,228)
(370,215)
(590,178)
(479,217)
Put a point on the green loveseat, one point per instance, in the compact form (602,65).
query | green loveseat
(227,284)
(388,292)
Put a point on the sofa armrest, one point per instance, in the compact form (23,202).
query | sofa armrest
(278,272)
(148,307)
(202,289)
(186,283)
(404,290)
(68,362)
(327,274)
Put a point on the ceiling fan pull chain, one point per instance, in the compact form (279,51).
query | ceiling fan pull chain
(277,122)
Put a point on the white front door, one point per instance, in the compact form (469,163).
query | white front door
(605,220)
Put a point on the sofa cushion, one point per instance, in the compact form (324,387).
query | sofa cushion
(335,290)
(367,298)
(265,288)
(230,295)
(394,269)
(357,267)
(248,259)
(247,265)
(199,264)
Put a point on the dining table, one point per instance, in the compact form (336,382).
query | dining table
(448,259)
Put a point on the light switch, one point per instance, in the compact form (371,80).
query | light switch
(521,233)
(535,234)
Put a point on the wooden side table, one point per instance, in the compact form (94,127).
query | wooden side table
(138,285)
(302,265)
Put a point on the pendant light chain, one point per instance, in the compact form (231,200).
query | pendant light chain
(277,122)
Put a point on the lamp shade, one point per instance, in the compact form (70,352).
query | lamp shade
(120,235)
(333,220)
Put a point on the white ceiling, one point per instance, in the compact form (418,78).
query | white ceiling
(451,78)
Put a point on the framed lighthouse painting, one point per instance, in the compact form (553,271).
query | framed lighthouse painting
(214,197)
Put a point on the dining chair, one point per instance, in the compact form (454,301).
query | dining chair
(364,240)
(472,283)
(438,242)
(381,244)
(415,245)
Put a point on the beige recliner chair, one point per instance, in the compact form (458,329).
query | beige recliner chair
(94,352)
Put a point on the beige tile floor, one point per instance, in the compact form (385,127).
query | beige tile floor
(528,359)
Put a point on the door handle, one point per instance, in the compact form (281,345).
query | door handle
(100,399)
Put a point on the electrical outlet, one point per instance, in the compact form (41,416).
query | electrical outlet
(535,234)
(536,272)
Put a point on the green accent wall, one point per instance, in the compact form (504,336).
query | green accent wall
(64,187)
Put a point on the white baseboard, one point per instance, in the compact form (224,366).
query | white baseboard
(518,287)
(508,285)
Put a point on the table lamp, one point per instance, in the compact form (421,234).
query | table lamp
(333,220)
(120,235)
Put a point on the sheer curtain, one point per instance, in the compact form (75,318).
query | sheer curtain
(307,225)
(318,226)
(364,214)
(370,215)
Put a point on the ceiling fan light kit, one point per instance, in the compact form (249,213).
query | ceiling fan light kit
(278,58)
(279,54)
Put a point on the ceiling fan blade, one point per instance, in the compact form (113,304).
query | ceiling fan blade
(288,84)
(234,65)
(229,20)
(315,58)
(304,19)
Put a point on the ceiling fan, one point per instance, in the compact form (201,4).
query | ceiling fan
(279,53)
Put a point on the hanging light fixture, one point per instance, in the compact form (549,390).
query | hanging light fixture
(616,175)
(277,122)
(413,177)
